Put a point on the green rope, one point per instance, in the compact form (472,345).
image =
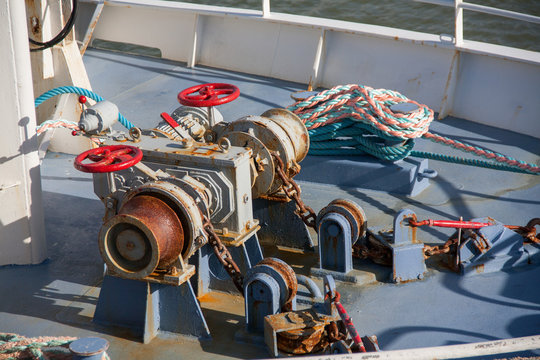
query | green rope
(36,348)
(356,120)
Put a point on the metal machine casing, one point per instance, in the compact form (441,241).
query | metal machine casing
(225,174)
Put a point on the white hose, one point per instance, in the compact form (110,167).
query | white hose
(444,352)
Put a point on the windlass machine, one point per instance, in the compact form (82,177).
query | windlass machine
(178,204)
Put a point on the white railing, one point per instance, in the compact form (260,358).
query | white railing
(459,6)
(450,76)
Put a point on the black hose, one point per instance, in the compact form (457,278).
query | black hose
(61,35)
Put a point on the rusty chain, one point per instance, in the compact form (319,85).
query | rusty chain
(333,333)
(293,192)
(374,250)
(379,253)
(223,255)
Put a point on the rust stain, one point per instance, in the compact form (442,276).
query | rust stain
(162,221)
(287,273)
(413,229)
(479,268)
(209,298)
(414,79)
(200,151)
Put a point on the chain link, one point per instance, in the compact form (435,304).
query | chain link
(381,254)
(333,333)
(223,255)
(293,192)
(439,249)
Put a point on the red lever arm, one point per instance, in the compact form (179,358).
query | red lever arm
(449,223)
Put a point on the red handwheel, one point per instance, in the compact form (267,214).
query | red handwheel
(108,158)
(208,95)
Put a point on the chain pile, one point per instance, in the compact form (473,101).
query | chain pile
(293,192)
(373,250)
(223,255)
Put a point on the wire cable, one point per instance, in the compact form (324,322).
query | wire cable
(61,35)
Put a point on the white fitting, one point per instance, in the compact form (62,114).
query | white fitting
(99,117)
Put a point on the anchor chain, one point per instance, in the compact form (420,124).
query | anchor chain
(292,191)
(480,242)
(223,255)
(374,250)
(377,252)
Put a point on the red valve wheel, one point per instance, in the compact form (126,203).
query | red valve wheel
(208,95)
(108,158)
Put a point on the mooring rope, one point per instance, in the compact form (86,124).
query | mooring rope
(355,119)
(13,346)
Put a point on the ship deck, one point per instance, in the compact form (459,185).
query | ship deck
(58,297)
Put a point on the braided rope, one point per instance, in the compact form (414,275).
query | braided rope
(62,124)
(54,124)
(79,91)
(13,346)
(355,119)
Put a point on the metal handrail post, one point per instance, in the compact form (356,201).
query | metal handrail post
(458,18)
(266,8)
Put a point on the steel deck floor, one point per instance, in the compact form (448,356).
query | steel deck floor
(58,297)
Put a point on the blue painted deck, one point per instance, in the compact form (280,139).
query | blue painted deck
(58,297)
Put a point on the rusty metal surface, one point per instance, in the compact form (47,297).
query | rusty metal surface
(164,223)
(145,236)
(352,212)
(300,341)
(288,275)
(272,136)
(294,127)
(374,250)
(300,332)
(184,206)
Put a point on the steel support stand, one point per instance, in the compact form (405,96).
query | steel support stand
(210,273)
(150,309)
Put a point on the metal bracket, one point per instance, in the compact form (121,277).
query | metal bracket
(407,252)
(335,243)
(495,248)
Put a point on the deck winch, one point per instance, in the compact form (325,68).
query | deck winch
(179,215)
(177,205)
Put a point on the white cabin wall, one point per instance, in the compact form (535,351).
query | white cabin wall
(22,230)
(286,47)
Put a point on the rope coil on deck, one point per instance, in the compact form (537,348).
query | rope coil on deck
(355,119)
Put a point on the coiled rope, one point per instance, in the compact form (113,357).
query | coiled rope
(79,91)
(355,119)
